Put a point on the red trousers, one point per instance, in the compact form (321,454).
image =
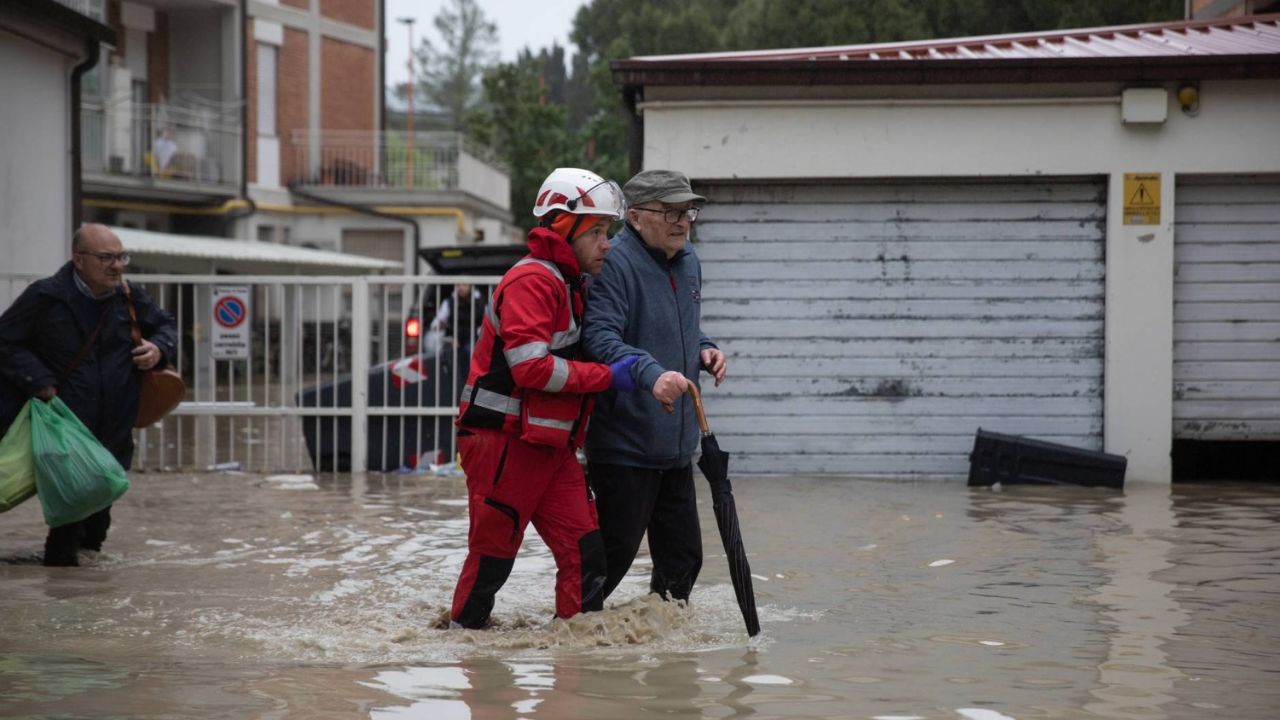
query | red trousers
(511,483)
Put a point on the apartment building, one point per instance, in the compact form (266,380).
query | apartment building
(261,121)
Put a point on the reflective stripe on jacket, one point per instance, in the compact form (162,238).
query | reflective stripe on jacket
(525,374)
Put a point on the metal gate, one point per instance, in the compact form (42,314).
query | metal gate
(872,328)
(291,403)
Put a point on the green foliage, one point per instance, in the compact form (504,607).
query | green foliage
(525,129)
(449,74)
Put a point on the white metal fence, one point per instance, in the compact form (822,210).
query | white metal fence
(293,401)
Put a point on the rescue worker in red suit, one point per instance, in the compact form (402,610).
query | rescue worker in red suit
(524,410)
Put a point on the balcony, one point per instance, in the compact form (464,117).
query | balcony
(161,151)
(95,9)
(393,167)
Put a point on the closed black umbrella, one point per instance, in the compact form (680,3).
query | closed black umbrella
(714,463)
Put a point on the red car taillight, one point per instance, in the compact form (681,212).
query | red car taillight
(412,330)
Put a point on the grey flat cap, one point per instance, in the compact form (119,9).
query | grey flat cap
(666,186)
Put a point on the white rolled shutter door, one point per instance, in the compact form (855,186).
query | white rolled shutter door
(873,328)
(1226,336)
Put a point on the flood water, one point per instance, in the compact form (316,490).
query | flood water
(242,596)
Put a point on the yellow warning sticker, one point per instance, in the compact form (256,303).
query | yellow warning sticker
(1141,198)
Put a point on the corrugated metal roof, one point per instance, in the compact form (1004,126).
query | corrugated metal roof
(144,242)
(1237,36)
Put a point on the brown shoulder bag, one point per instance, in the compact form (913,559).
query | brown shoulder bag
(162,387)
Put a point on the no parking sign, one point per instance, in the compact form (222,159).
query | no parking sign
(230,338)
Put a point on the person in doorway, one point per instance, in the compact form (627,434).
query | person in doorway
(459,314)
(525,406)
(647,301)
(69,335)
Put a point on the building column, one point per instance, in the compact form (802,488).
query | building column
(1138,375)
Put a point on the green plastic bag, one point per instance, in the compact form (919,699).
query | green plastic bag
(75,475)
(17,462)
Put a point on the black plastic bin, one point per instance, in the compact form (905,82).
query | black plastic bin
(1010,459)
(329,438)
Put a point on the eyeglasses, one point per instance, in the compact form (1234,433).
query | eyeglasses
(673,216)
(108,258)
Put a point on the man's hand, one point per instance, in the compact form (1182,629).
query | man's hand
(146,355)
(670,386)
(715,363)
(47,392)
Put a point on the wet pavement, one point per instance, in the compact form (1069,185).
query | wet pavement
(230,595)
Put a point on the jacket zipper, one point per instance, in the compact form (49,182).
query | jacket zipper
(684,353)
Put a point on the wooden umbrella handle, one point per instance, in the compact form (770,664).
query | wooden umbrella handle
(697,408)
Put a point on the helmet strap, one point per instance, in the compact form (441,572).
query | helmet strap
(573,229)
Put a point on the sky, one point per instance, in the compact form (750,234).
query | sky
(521,23)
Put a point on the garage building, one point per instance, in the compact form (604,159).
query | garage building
(1073,236)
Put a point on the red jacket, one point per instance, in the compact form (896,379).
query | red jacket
(525,376)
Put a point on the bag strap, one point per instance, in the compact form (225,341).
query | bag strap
(135,332)
(84,349)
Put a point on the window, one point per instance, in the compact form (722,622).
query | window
(266,89)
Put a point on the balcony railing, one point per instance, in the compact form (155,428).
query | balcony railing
(95,9)
(428,161)
(187,145)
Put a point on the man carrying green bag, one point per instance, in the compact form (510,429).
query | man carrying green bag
(69,336)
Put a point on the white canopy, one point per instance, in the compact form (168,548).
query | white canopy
(153,248)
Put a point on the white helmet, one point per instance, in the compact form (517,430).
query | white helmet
(580,192)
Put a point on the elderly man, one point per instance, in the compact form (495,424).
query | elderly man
(647,302)
(69,335)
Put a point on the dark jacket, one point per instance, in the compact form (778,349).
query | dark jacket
(642,303)
(43,331)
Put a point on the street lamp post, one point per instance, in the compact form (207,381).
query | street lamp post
(410,140)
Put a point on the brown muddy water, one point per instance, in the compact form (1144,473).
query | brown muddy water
(241,596)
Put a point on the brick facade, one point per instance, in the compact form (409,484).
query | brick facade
(291,100)
(158,60)
(360,13)
(347,93)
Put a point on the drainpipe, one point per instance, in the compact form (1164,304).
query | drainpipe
(91,48)
(244,121)
(365,210)
(635,128)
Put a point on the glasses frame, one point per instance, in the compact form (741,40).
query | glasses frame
(673,215)
(108,258)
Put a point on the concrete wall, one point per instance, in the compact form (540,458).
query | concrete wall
(35,173)
(1014,131)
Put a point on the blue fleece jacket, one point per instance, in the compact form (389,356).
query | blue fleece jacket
(642,303)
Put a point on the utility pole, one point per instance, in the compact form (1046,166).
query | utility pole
(411,143)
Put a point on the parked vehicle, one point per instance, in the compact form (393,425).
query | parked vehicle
(423,374)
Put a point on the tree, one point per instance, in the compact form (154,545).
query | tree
(450,73)
(528,132)
(761,24)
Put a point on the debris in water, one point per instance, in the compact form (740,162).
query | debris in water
(982,714)
(767,680)
(940,563)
